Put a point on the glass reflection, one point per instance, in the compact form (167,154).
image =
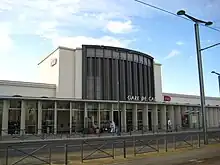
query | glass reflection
(31,117)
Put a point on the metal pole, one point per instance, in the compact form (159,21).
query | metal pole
(201,83)
(219,83)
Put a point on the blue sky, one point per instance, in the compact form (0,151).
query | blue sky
(32,29)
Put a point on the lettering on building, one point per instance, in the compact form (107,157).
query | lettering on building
(140,98)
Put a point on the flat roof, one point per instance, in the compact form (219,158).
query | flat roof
(27,84)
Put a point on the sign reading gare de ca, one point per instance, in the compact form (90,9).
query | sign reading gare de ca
(140,98)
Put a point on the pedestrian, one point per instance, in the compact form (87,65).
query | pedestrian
(112,126)
(169,123)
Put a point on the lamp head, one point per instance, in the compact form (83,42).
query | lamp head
(208,23)
(181,12)
(213,72)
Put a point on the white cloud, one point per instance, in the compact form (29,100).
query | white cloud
(119,27)
(172,54)
(180,43)
(73,42)
(5,39)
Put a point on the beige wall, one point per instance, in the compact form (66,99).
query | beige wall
(180,98)
(158,82)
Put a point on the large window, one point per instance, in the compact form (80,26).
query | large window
(114,73)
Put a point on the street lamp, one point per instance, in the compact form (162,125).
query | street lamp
(218,74)
(200,69)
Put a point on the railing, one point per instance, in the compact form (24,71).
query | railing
(72,150)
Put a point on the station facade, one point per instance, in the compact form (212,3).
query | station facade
(93,85)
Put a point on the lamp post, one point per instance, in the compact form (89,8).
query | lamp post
(218,74)
(200,69)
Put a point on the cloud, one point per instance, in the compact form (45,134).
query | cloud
(180,43)
(172,54)
(5,39)
(119,26)
(73,42)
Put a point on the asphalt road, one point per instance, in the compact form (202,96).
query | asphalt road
(91,143)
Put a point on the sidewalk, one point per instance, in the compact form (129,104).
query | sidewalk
(202,156)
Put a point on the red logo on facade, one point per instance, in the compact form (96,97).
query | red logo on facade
(166,98)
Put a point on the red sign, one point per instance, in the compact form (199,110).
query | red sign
(166,98)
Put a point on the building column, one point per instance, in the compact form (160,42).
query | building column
(71,117)
(123,118)
(99,115)
(145,117)
(207,117)
(111,115)
(211,117)
(163,114)
(155,117)
(85,116)
(5,117)
(178,117)
(55,117)
(23,118)
(39,117)
(134,117)
(171,115)
(216,117)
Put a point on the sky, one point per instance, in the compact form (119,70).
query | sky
(31,29)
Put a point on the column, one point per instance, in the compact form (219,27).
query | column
(39,117)
(145,117)
(210,117)
(123,118)
(171,115)
(23,118)
(85,116)
(207,117)
(155,117)
(5,117)
(111,117)
(55,117)
(134,117)
(98,115)
(216,117)
(71,117)
(163,117)
(178,117)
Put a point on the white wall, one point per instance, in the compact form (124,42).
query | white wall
(70,73)
(180,98)
(10,88)
(49,74)
(158,82)
(66,82)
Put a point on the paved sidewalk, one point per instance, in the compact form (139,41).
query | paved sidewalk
(207,155)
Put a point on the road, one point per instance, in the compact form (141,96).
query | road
(91,143)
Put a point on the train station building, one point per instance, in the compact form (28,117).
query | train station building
(93,85)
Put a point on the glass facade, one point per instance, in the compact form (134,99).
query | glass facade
(111,73)
(31,117)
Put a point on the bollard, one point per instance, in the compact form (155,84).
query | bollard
(157,141)
(82,151)
(192,140)
(134,145)
(165,143)
(174,142)
(66,154)
(199,141)
(124,149)
(50,156)
(113,150)
(6,158)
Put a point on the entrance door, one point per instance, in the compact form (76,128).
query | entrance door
(150,121)
(115,117)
